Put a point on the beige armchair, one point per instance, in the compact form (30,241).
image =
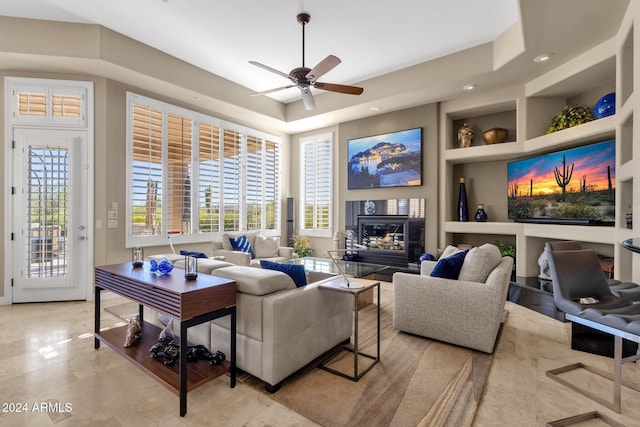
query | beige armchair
(467,311)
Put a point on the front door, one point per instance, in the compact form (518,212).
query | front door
(49,243)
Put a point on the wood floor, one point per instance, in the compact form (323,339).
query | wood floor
(48,359)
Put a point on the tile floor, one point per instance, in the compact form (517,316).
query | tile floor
(48,359)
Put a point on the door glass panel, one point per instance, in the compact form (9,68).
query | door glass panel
(47,212)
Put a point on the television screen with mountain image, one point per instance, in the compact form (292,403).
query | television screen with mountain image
(574,186)
(387,160)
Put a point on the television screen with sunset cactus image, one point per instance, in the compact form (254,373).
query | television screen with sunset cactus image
(574,186)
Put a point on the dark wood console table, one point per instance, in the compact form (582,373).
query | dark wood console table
(192,302)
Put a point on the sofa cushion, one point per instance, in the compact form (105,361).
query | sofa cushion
(449,267)
(226,243)
(255,281)
(479,262)
(450,250)
(194,253)
(265,247)
(242,244)
(295,271)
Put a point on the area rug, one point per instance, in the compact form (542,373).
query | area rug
(124,311)
(418,381)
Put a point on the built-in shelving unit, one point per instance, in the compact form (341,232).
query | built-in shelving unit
(526,111)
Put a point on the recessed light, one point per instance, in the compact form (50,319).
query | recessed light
(197,98)
(470,86)
(543,57)
(375,108)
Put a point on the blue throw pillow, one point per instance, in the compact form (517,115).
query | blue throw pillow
(295,271)
(241,244)
(449,267)
(194,254)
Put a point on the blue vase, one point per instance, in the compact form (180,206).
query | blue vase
(606,106)
(463,211)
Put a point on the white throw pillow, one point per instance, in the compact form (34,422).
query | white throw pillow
(449,250)
(479,262)
(251,237)
(265,247)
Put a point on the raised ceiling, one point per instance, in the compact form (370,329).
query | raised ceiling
(402,53)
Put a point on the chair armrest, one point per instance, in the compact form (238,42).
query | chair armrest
(426,267)
(286,252)
(234,257)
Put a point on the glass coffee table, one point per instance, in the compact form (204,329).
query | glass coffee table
(327,267)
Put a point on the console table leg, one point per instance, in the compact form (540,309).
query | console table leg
(96,328)
(183,369)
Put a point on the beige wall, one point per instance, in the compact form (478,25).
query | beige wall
(426,117)
(110,160)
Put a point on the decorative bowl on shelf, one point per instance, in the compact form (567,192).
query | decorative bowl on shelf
(606,106)
(495,135)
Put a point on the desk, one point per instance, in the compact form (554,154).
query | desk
(335,286)
(191,301)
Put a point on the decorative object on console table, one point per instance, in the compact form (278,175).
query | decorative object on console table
(606,106)
(137,257)
(163,267)
(190,267)
(495,136)
(463,210)
(465,135)
(481,214)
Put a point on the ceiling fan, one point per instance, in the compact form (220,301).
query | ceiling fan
(305,78)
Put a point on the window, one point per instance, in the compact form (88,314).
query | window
(42,104)
(316,185)
(192,175)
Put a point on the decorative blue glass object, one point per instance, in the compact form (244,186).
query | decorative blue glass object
(164,266)
(481,214)
(606,106)
(154,265)
(426,257)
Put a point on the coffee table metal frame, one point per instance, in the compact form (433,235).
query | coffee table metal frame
(335,285)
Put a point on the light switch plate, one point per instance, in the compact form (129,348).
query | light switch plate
(112,223)
(112,214)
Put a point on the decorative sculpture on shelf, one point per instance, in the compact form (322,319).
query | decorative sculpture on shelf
(166,335)
(134,331)
(465,135)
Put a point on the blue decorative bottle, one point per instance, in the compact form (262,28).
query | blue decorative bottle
(463,211)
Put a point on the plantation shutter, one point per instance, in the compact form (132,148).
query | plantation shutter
(209,174)
(254,183)
(179,174)
(272,185)
(317,183)
(51,106)
(231,179)
(146,171)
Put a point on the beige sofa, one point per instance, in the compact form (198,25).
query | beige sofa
(263,248)
(279,328)
(465,312)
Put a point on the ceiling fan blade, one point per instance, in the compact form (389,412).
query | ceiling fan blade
(273,70)
(307,98)
(265,92)
(323,67)
(332,87)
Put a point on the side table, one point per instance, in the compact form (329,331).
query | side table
(367,285)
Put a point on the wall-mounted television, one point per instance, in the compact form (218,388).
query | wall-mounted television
(386,160)
(574,186)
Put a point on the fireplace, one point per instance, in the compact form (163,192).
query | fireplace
(391,230)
